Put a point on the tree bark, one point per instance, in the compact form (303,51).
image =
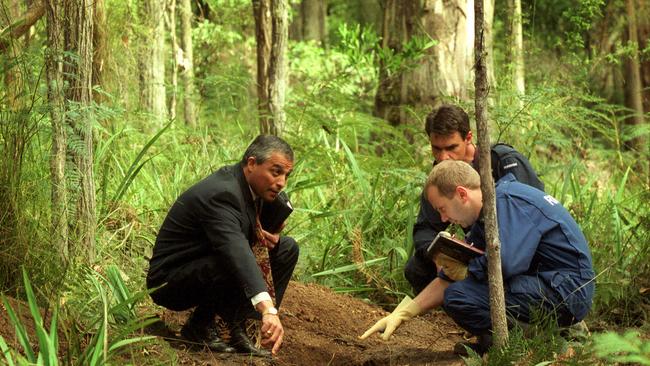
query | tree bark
(188,63)
(488,11)
(497,297)
(22,25)
(295,27)
(170,19)
(370,14)
(100,49)
(263,30)
(278,66)
(78,40)
(314,21)
(516,50)
(153,96)
(633,76)
(13,76)
(445,69)
(55,93)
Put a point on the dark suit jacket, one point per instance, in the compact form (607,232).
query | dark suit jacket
(216,217)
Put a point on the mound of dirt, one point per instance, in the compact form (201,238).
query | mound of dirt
(322,328)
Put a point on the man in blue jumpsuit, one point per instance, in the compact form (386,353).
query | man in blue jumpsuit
(448,130)
(545,259)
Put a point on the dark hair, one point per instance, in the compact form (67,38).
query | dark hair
(446,120)
(264,146)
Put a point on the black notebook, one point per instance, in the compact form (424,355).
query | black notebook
(275,213)
(446,244)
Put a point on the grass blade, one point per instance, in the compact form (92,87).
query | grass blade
(21,333)
(136,165)
(6,352)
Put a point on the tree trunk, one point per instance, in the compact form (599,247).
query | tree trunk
(100,49)
(55,93)
(643,22)
(188,63)
(633,77)
(263,30)
(170,19)
(516,50)
(370,14)
(22,24)
(278,66)
(78,33)
(13,73)
(314,21)
(153,96)
(444,71)
(488,10)
(295,27)
(497,297)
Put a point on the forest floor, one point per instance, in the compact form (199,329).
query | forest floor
(321,328)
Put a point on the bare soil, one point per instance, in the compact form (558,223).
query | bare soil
(321,328)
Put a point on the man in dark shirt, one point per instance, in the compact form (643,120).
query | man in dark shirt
(451,138)
(211,254)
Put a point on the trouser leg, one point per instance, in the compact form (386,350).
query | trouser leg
(283,261)
(202,283)
(468,303)
(419,273)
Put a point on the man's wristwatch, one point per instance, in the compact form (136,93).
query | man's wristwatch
(272,310)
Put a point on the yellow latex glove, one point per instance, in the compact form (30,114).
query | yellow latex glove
(453,268)
(406,310)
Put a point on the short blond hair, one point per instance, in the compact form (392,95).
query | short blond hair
(449,174)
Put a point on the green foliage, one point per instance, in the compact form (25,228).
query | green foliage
(98,349)
(628,348)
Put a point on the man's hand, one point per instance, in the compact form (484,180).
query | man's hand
(271,239)
(453,268)
(406,310)
(272,332)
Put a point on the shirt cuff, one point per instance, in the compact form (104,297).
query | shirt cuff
(262,296)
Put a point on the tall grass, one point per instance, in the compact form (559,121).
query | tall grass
(97,349)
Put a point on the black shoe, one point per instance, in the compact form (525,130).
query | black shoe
(481,347)
(206,335)
(242,344)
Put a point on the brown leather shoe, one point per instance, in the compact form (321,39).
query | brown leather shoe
(240,341)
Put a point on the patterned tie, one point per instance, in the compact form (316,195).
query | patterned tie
(261,251)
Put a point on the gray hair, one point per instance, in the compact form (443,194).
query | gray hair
(264,146)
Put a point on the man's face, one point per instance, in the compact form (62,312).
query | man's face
(269,178)
(456,210)
(452,146)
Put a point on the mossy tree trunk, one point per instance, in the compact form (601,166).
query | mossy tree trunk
(77,71)
(55,94)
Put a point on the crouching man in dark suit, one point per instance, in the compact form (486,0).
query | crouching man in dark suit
(212,255)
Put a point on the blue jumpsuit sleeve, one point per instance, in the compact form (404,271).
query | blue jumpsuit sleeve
(519,236)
